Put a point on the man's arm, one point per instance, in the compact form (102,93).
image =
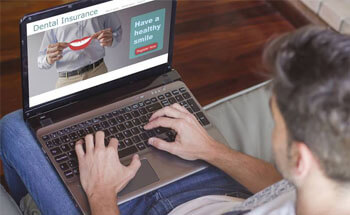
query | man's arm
(101,173)
(193,142)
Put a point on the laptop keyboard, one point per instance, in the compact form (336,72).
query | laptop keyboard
(126,124)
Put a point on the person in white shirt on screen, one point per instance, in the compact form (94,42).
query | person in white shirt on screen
(76,65)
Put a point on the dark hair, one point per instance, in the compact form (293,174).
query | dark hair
(311,83)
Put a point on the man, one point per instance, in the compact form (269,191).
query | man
(80,64)
(310,107)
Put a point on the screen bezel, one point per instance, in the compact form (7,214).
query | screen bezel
(32,111)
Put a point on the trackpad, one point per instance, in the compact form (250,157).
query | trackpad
(144,176)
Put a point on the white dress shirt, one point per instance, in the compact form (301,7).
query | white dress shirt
(72,60)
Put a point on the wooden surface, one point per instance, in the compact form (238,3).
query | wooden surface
(217,48)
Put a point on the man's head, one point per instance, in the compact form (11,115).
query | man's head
(311,103)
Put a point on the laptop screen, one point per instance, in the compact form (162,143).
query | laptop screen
(80,49)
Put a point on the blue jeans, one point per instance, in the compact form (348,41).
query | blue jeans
(27,170)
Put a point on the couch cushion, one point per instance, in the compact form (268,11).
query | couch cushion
(245,120)
(7,205)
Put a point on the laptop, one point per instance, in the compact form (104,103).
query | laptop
(86,84)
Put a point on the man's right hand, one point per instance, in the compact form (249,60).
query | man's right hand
(192,140)
(54,52)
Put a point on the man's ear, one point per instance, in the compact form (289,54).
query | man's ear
(303,162)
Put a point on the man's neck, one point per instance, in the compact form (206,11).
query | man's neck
(323,196)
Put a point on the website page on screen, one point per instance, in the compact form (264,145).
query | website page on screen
(84,48)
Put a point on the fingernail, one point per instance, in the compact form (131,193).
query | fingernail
(146,126)
(151,141)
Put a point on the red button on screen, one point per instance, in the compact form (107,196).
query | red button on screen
(146,48)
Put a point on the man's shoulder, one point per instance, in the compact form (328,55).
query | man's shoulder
(278,198)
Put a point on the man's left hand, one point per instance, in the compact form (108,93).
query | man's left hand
(105,37)
(101,173)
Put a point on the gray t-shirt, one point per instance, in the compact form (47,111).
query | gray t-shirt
(277,199)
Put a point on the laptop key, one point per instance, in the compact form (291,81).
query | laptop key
(135,130)
(61,158)
(172,100)
(161,97)
(143,119)
(147,102)
(154,99)
(154,107)
(69,174)
(76,171)
(141,146)
(128,124)
(179,98)
(151,133)
(120,119)
(175,92)
(112,122)
(135,113)
(56,142)
(186,95)
(64,166)
(193,105)
(113,130)
(127,151)
(127,116)
(119,136)
(135,106)
(45,137)
(54,135)
(65,148)
(127,133)
(121,145)
(109,115)
(202,118)
(49,144)
(168,94)
(97,127)
(182,90)
(72,145)
(81,133)
(121,127)
(143,111)
(136,139)
(136,122)
(73,163)
(73,136)
(89,130)
(55,151)
(144,136)
(105,124)
(72,155)
(128,142)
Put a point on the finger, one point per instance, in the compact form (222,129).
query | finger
(95,35)
(134,165)
(79,150)
(113,143)
(163,122)
(54,59)
(167,111)
(104,34)
(162,145)
(180,108)
(89,143)
(105,40)
(100,140)
(62,45)
(54,54)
